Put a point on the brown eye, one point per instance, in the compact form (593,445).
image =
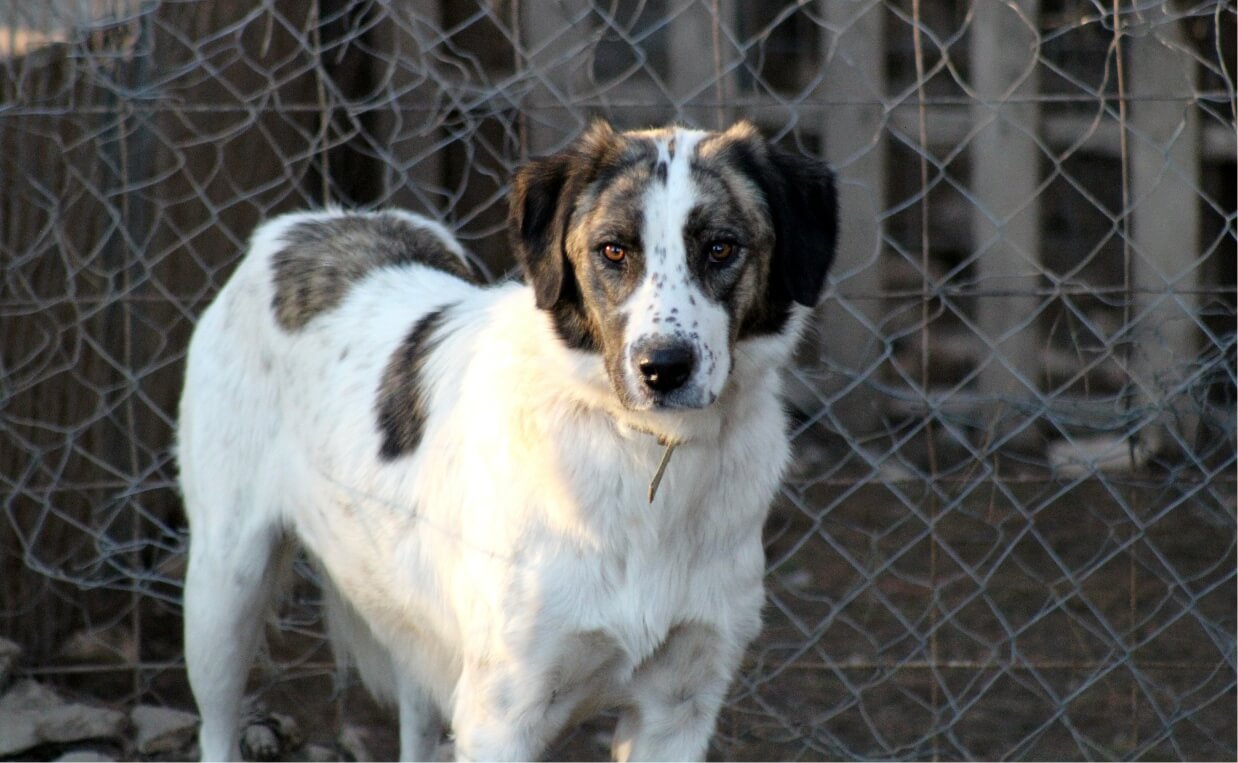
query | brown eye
(720,251)
(614,252)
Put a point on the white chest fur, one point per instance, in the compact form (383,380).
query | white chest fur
(551,556)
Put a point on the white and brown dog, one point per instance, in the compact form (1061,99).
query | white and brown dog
(471,465)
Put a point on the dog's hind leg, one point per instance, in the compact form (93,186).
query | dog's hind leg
(421,723)
(228,590)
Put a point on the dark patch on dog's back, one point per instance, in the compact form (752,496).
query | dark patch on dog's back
(403,402)
(322,258)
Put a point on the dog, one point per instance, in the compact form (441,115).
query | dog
(530,501)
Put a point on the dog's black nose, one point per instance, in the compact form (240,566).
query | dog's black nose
(665,368)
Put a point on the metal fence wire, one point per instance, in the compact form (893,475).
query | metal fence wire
(1010,528)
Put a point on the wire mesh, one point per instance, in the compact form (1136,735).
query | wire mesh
(1010,528)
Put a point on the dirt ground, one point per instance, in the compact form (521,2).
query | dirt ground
(1031,619)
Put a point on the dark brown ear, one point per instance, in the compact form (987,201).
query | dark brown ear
(540,207)
(536,222)
(799,192)
(804,206)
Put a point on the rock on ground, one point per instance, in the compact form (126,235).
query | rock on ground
(114,644)
(85,756)
(316,753)
(10,653)
(29,695)
(22,730)
(162,729)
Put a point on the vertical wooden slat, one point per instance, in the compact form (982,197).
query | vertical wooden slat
(700,80)
(1164,140)
(1005,219)
(852,92)
(406,79)
(554,37)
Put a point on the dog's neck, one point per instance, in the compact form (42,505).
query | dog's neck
(581,379)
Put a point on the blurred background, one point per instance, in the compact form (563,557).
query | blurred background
(1010,528)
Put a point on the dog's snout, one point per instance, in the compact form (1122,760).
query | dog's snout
(665,368)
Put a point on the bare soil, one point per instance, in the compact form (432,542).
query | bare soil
(1007,618)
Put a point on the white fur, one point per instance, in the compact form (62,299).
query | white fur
(508,576)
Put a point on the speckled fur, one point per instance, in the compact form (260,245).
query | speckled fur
(319,260)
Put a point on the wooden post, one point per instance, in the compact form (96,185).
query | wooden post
(1164,149)
(852,122)
(1005,176)
(554,41)
(699,80)
(406,130)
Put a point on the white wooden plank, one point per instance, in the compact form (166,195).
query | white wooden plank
(1164,141)
(555,38)
(408,133)
(701,75)
(852,127)
(1005,174)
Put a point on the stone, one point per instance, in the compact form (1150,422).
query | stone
(162,729)
(29,694)
(108,645)
(317,753)
(85,756)
(22,730)
(10,653)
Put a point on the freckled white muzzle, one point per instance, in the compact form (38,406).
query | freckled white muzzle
(676,352)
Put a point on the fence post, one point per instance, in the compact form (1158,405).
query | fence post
(1005,176)
(852,91)
(406,77)
(1165,228)
(553,37)
(698,71)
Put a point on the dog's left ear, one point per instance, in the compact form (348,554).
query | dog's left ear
(799,192)
(804,206)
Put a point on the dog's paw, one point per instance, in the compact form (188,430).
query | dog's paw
(260,742)
(268,736)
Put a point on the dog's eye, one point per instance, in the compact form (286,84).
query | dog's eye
(720,251)
(613,252)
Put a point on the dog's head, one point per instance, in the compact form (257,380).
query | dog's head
(661,250)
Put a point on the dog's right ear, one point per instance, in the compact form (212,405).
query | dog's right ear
(536,222)
(540,207)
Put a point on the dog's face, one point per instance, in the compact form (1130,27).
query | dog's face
(662,250)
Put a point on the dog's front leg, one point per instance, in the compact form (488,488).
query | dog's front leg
(676,696)
(502,712)
(421,726)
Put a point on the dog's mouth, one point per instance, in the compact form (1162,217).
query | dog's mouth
(696,401)
(683,399)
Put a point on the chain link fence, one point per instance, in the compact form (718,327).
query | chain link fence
(1010,528)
